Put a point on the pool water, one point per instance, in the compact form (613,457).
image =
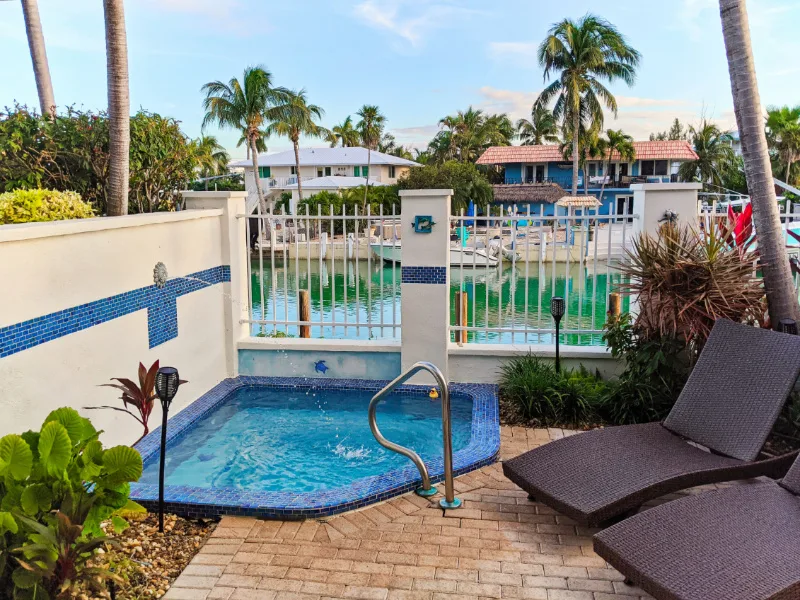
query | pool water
(305,440)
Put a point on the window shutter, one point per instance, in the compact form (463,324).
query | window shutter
(356,172)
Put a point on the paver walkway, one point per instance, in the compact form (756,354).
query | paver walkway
(499,545)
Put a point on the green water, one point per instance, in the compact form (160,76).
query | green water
(497,298)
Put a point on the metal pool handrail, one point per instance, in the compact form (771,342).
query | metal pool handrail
(449,501)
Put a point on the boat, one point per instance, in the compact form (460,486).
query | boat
(391,251)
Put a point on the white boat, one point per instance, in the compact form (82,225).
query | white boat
(391,251)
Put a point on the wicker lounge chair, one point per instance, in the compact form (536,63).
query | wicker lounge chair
(738,543)
(729,405)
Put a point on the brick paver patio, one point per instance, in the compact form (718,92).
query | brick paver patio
(499,545)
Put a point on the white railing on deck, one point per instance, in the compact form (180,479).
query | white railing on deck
(569,255)
(328,255)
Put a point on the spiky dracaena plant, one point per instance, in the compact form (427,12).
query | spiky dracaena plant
(684,281)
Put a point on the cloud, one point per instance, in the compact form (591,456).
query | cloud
(637,116)
(410,20)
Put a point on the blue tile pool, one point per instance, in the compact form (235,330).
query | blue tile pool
(299,448)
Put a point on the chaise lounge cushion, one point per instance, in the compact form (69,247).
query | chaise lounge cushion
(738,543)
(596,475)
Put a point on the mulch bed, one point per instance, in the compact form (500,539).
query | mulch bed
(149,561)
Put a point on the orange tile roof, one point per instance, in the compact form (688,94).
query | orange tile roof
(499,155)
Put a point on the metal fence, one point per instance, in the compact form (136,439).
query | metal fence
(509,266)
(315,275)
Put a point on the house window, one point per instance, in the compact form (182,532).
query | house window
(264,173)
(391,172)
(654,167)
(293,170)
(320,171)
(356,171)
(327,171)
(592,170)
(365,171)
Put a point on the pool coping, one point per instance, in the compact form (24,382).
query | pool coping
(483,449)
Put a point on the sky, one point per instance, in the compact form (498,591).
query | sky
(418,60)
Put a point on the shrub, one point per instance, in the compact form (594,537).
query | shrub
(684,281)
(466,181)
(537,393)
(656,369)
(57,486)
(28,206)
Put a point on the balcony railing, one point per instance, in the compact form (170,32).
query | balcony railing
(268,183)
(623,181)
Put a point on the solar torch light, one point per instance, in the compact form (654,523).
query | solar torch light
(789,326)
(557,310)
(167,382)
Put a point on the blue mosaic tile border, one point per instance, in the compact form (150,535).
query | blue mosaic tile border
(483,449)
(432,275)
(161,305)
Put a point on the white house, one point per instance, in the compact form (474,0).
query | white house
(278,172)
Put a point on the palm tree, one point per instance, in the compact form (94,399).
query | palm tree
(261,143)
(618,146)
(781,294)
(583,54)
(540,129)
(41,69)
(119,108)
(370,127)
(715,156)
(212,158)
(467,134)
(783,134)
(246,106)
(345,133)
(293,118)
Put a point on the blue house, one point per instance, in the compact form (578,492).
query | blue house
(538,176)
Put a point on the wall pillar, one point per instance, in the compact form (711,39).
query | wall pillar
(425,287)
(652,200)
(235,255)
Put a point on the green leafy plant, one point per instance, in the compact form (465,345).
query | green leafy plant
(539,394)
(29,206)
(656,369)
(58,485)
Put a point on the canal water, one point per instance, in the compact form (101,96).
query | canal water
(342,295)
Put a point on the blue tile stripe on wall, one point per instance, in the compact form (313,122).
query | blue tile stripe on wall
(161,305)
(483,449)
(431,275)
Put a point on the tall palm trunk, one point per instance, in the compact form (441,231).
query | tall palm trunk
(41,70)
(254,157)
(119,112)
(297,168)
(576,124)
(781,295)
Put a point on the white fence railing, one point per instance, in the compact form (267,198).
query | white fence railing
(352,293)
(570,255)
(509,266)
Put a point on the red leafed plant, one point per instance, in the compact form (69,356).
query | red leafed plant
(140,396)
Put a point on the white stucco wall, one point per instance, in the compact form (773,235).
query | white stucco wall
(50,267)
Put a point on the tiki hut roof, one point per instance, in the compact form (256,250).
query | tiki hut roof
(528,192)
(579,201)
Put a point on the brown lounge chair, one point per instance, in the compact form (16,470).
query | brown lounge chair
(738,543)
(729,405)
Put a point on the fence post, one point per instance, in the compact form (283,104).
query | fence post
(425,280)
(614,305)
(235,253)
(462,301)
(304,302)
(652,200)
